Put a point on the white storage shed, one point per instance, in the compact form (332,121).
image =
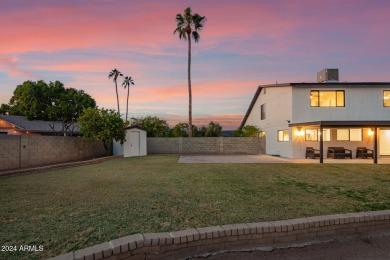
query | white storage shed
(135,144)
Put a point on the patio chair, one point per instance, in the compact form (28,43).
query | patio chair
(312,153)
(363,152)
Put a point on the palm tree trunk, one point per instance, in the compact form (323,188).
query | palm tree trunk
(189,88)
(117,97)
(127,102)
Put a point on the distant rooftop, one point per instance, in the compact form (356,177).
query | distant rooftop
(37,126)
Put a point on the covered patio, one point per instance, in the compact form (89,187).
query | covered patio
(325,135)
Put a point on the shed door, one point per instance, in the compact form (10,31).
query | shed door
(135,143)
(384,142)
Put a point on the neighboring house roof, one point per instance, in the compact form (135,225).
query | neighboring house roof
(309,85)
(37,126)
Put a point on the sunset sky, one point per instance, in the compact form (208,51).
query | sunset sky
(243,44)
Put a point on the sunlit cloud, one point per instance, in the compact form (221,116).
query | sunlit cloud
(261,42)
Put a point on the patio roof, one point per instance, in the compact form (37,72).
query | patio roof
(344,123)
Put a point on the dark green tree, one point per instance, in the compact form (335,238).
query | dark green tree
(102,125)
(247,131)
(188,27)
(127,82)
(180,130)
(114,74)
(154,126)
(39,100)
(54,102)
(4,109)
(213,130)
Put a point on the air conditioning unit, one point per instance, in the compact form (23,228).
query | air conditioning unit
(328,75)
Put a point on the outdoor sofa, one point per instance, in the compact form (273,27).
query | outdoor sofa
(339,153)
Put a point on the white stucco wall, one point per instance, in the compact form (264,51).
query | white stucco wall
(278,111)
(361,103)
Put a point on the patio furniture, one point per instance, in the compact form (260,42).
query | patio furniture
(312,153)
(363,152)
(339,153)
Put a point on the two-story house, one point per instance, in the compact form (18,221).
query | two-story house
(328,113)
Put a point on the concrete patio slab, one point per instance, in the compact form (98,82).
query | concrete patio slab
(269,159)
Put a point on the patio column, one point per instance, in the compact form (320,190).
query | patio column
(375,145)
(321,144)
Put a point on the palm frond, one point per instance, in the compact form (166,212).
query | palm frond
(179,19)
(195,36)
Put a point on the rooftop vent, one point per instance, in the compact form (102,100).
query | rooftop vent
(328,75)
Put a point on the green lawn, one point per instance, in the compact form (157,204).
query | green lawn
(73,208)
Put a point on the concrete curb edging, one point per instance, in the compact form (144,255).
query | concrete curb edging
(191,242)
(56,166)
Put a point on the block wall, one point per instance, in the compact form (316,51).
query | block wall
(32,150)
(206,145)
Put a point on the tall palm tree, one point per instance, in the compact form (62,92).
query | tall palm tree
(188,27)
(115,74)
(126,84)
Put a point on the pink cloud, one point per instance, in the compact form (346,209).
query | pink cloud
(11,67)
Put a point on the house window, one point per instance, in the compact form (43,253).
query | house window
(314,134)
(327,98)
(311,135)
(3,133)
(386,98)
(261,134)
(342,134)
(355,135)
(283,136)
(262,112)
(349,135)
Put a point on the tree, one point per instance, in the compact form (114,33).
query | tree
(42,101)
(126,84)
(188,27)
(115,74)
(154,126)
(180,130)
(102,125)
(247,131)
(213,130)
(4,109)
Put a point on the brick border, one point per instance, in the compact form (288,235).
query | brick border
(17,172)
(194,242)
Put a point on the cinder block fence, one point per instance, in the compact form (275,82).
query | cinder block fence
(193,242)
(206,145)
(33,150)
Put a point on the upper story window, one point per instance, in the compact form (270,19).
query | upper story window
(283,136)
(386,98)
(262,112)
(327,98)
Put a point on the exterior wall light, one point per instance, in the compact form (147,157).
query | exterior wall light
(370,132)
(299,131)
